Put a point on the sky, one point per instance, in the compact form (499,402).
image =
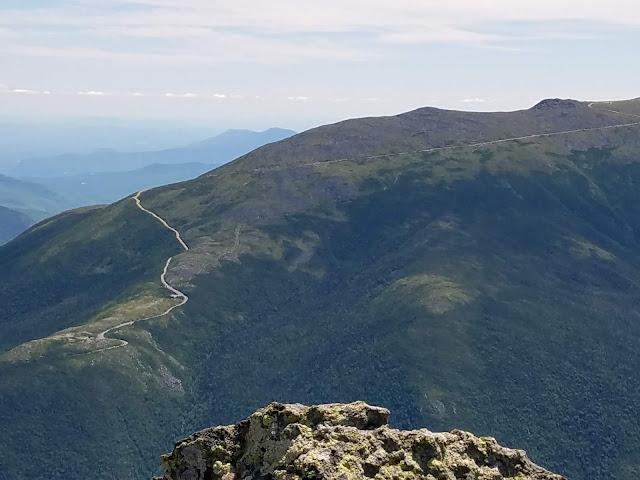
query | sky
(295,63)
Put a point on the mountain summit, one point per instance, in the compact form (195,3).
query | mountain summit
(474,271)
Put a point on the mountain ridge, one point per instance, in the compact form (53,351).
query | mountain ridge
(488,287)
(274,133)
(214,151)
(430,127)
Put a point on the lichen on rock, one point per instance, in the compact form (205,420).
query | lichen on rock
(341,442)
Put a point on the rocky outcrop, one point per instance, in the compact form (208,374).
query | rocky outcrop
(341,442)
(556,103)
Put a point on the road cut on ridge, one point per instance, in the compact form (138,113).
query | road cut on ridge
(160,219)
(494,142)
(175,293)
(457,147)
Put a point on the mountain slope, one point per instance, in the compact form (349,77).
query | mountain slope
(12,223)
(53,279)
(491,287)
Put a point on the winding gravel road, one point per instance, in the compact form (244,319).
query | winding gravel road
(160,219)
(175,293)
(455,147)
(495,142)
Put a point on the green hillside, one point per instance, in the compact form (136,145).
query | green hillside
(492,288)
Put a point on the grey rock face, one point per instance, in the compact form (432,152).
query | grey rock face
(341,442)
(556,103)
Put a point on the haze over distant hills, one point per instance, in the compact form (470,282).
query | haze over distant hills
(30,198)
(469,270)
(99,188)
(24,204)
(214,151)
(106,176)
(12,223)
(22,138)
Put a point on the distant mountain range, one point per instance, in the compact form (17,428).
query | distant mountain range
(12,223)
(51,185)
(22,139)
(99,188)
(213,151)
(30,198)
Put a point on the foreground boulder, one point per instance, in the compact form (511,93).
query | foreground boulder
(341,442)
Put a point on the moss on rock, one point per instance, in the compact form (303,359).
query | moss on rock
(341,442)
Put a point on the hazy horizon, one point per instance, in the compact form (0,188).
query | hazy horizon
(216,125)
(232,65)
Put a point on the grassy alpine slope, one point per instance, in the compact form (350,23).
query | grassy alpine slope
(491,288)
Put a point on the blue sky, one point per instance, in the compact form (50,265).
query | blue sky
(254,63)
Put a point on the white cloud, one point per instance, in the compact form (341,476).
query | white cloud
(375,100)
(202,31)
(84,53)
(439,34)
(298,99)
(24,91)
(219,95)
(181,95)
(92,93)
(137,94)
(473,100)
(285,16)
